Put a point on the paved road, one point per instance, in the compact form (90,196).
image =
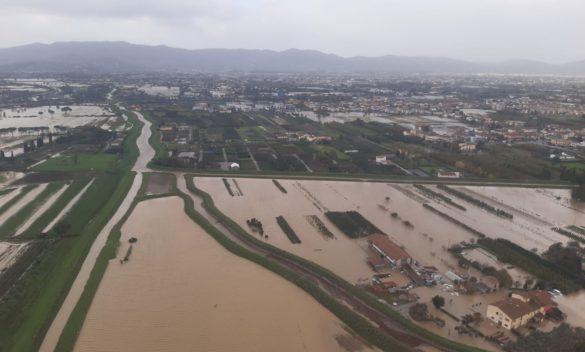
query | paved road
(58,324)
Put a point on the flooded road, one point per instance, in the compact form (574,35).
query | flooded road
(52,336)
(181,291)
(146,151)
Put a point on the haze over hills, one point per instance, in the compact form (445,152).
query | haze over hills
(122,57)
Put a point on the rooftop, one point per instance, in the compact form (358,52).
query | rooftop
(389,248)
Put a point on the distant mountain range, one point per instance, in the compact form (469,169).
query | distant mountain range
(122,57)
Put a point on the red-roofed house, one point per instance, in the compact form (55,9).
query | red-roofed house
(392,252)
(519,308)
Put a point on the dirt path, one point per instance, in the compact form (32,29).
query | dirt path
(56,328)
(41,210)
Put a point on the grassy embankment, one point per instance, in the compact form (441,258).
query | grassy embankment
(29,307)
(353,320)
(368,177)
(9,227)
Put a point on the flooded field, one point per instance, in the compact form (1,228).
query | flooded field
(181,291)
(51,116)
(18,125)
(426,241)
(534,211)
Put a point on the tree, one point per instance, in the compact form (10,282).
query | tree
(438,301)
(579,347)
(565,257)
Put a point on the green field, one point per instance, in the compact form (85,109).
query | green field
(79,162)
(577,166)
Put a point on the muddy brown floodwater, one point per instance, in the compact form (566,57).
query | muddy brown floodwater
(346,257)
(181,291)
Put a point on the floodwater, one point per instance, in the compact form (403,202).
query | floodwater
(41,210)
(68,207)
(534,212)
(31,117)
(426,242)
(146,151)
(15,208)
(79,115)
(262,200)
(181,291)
(572,305)
(460,305)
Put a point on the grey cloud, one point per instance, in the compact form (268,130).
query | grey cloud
(480,30)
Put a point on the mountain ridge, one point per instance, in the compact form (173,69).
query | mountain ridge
(124,57)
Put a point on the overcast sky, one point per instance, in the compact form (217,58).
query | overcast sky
(480,30)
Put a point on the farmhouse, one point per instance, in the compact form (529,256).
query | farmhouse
(392,252)
(517,310)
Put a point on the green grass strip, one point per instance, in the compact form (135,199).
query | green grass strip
(19,196)
(9,227)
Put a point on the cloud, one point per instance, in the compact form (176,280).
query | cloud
(483,30)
